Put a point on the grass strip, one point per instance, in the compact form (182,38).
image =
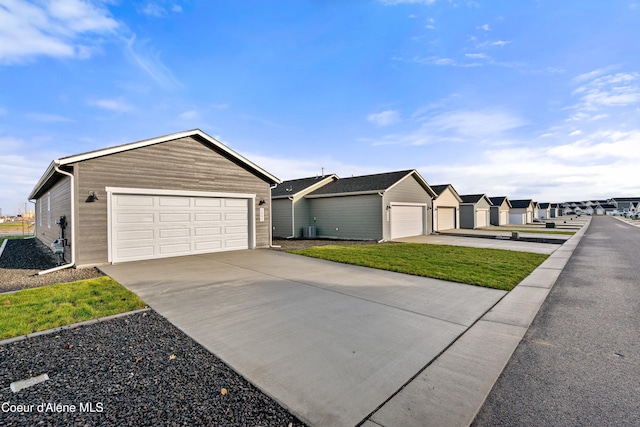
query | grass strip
(491,268)
(33,310)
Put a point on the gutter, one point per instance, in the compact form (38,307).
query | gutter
(71,224)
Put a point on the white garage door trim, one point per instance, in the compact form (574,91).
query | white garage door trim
(450,219)
(407,211)
(113,192)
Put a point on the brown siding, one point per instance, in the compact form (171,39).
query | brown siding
(60,205)
(183,164)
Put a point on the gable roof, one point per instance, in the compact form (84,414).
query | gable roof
(545,205)
(368,184)
(439,189)
(294,187)
(521,203)
(498,201)
(475,198)
(194,133)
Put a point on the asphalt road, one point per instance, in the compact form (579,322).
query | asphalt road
(579,363)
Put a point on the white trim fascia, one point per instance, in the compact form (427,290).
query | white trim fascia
(408,204)
(43,179)
(185,193)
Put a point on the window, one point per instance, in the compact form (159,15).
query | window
(40,212)
(49,210)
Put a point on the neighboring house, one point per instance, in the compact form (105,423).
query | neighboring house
(446,207)
(608,208)
(624,204)
(536,210)
(499,212)
(544,210)
(521,211)
(474,211)
(290,209)
(179,194)
(382,206)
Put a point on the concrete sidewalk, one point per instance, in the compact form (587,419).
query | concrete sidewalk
(452,389)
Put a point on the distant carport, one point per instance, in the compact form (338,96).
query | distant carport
(331,342)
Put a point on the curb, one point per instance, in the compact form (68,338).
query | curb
(452,389)
(4,244)
(72,326)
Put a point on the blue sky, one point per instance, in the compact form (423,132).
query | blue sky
(528,99)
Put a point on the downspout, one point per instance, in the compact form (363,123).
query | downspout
(71,224)
(293,219)
(271,245)
(385,212)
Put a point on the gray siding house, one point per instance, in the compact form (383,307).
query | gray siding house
(289,207)
(499,211)
(377,207)
(474,211)
(179,194)
(446,208)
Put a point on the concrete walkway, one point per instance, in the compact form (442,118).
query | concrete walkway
(510,245)
(331,342)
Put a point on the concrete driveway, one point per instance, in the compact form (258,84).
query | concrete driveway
(330,342)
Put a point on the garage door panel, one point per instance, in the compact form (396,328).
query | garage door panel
(207,203)
(183,202)
(146,227)
(182,218)
(406,221)
(138,201)
(174,232)
(207,217)
(446,218)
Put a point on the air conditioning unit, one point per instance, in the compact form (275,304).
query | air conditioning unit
(309,232)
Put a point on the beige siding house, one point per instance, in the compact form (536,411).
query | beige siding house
(446,208)
(179,194)
(372,207)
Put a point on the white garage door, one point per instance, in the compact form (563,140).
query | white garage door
(482,218)
(504,217)
(446,218)
(156,226)
(407,220)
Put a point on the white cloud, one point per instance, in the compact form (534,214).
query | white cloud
(575,133)
(176,8)
(477,56)
(154,9)
(114,104)
(189,115)
(599,91)
(384,118)
(484,27)
(150,63)
(57,29)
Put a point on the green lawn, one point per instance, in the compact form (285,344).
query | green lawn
(33,310)
(492,268)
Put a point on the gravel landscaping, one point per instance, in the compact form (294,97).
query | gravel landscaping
(21,261)
(137,370)
(134,370)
